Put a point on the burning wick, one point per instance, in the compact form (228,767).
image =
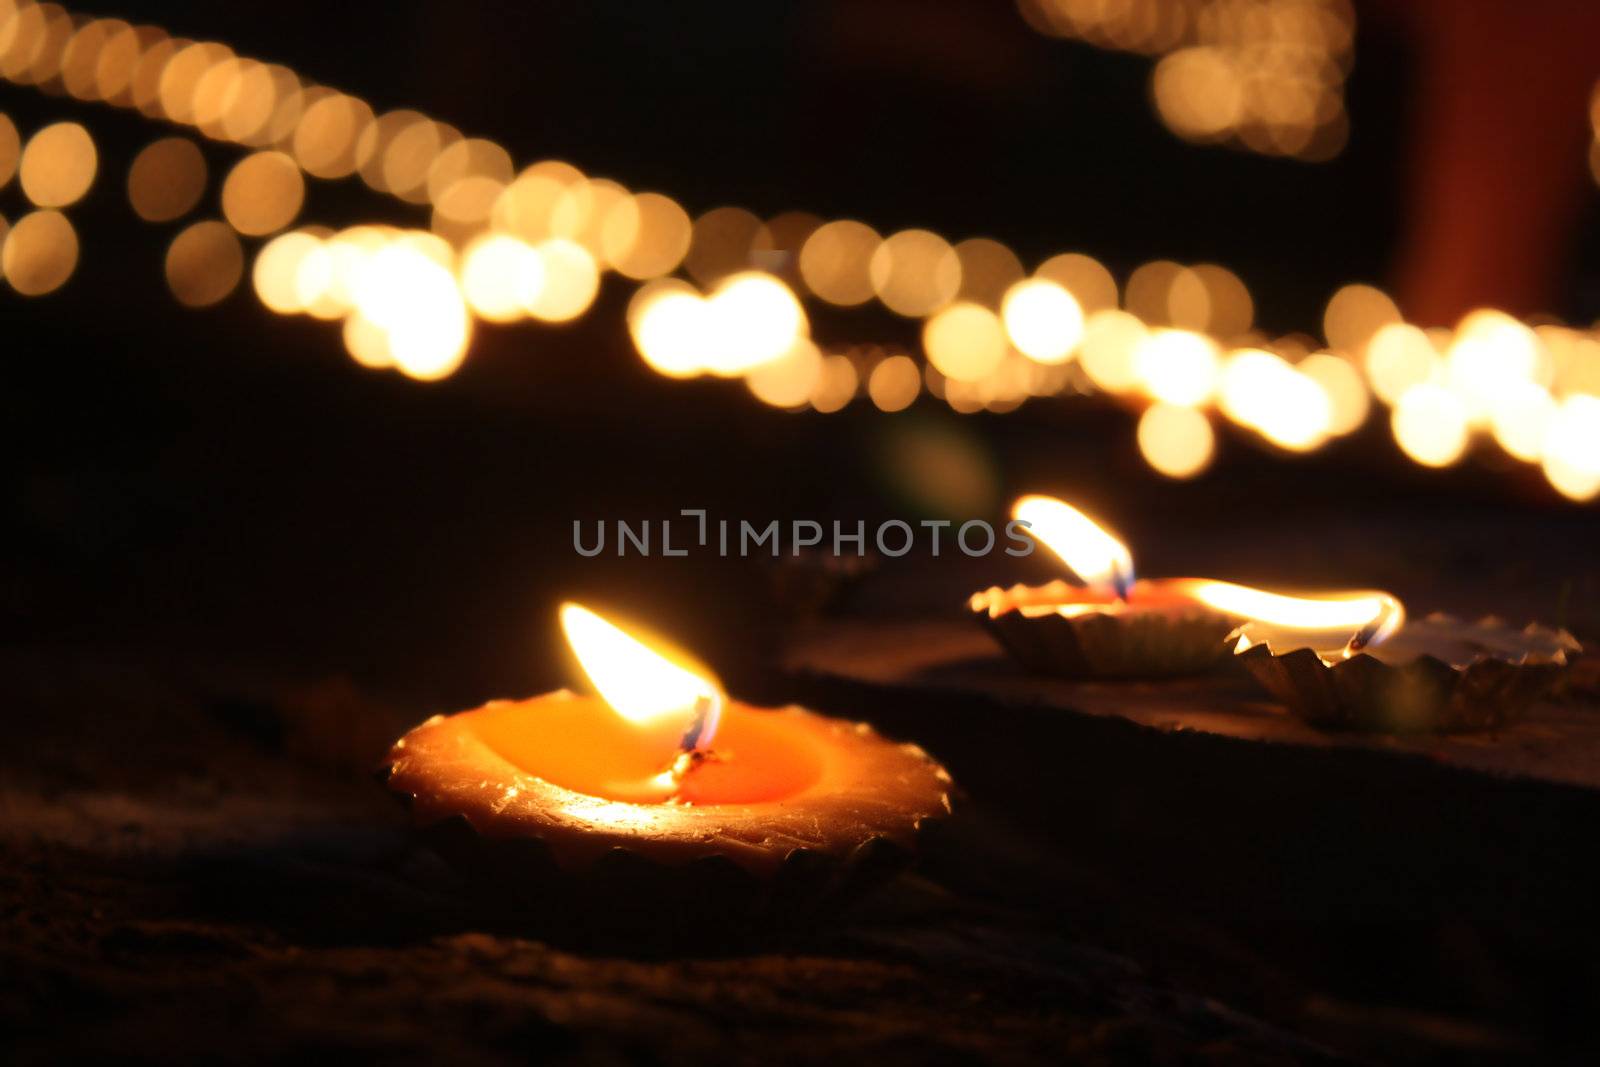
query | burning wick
(676,707)
(1121,581)
(1091,552)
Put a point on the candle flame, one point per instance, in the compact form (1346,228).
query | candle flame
(1341,624)
(640,684)
(1089,551)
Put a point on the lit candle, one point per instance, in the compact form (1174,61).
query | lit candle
(1108,623)
(662,764)
(1360,664)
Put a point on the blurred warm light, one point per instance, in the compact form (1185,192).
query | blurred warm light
(1110,338)
(472,157)
(1198,93)
(277,270)
(1089,282)
(1491,353)
(754,319)
(527,205)
(175,90)
(501,277)
(751,319)
(1177,441)
(791,381)
(246,106)
(1354,314)
(1264,74)
(1346,392)
(1149,289)
(326,136)
(1521,418)
(1399,356)
(204,264)
(837,384)
(1210,299)
(289,103)
(964,341)
(409,155)
(670,325)
(1260,390)
(835,262)
(581,211)
(1572,448)
(415,301)
(1177,366)
(367,342)
(645,236)
(1090,551)
(1043,320)
(915,273)
(463,208)
(166,179)
(40,253)
(988,270)
(894,383)
(372,147)
(118,57)
(1431,424)
(571,281)
(720,244)
(144,88)
(10,149)
(80,61)
(263,193)
(58,165)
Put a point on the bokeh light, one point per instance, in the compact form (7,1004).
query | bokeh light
(915,273)
(894,383)
(40,253)
(835,262)
(1177,441)
(263,193)
(58,165)
(1177,366)
(1431,424)
(1043,320)
(964,341)
(501,277)
(791,381)
(204,264)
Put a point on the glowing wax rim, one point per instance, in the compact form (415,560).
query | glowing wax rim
(672,843)
(1425,694)
(1027,621)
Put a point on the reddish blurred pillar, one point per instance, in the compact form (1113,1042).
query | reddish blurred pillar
(1498,159)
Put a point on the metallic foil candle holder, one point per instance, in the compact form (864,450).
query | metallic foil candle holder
(1060,629)
(1434,675)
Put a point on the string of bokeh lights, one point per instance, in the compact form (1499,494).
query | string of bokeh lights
(1263,75)
(722,293)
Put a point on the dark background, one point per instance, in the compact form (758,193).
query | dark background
(224,495)
(227,484)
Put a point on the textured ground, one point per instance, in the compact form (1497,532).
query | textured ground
(192,866)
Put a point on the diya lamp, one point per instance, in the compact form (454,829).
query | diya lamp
(1107,624)
(660,787)
(1437,674)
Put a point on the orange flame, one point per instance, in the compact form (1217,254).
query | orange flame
(1337,625)
(642,685)
(1089,550)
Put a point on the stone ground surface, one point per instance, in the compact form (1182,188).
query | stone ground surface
(195,868)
